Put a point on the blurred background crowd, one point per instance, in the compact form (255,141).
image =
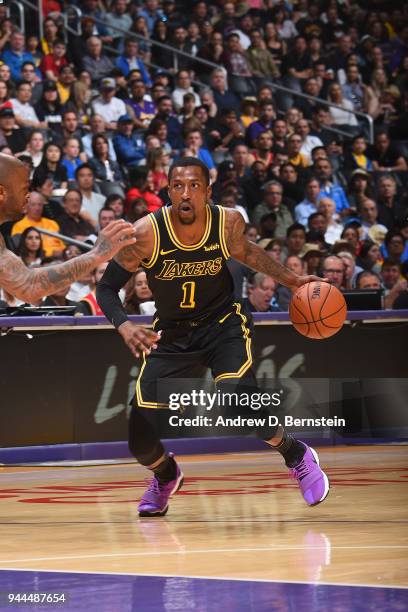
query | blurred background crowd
(299,109)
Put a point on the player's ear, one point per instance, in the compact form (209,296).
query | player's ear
(209,192)
(3,194)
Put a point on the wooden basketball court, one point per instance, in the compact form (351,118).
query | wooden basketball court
(238,519)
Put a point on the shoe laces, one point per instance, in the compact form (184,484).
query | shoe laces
(154,486)
(300,471)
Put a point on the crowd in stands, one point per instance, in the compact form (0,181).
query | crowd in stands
(98,112)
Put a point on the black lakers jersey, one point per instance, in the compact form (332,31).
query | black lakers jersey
(189,282)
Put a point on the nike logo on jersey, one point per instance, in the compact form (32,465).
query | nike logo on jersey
(162,252)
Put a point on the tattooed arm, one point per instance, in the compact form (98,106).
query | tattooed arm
(31,284)
(256,258)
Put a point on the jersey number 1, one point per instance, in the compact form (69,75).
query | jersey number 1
(188,295)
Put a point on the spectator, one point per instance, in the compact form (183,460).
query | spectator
(95,61)
(368,280)
(228,200)
(92,202)
(79,103)
(391,207)
(142,187)
(351,270)
(97,125)
(157,162)
(118,17)
(51,167)
(295,157)
(151,13)
(341,117)
(137,292)
(28,73)
(309,205)
(272,202)
(165,113)
(194,148)
(260,60)
(395,246)
(14,138)
(24,113)
(71,159)
(183,86)
(30,248)
(73,221)
(261,291)
(129,147)
(105,169)
(88,304)
(357,157)
(116,203)
(252,186)
(16,55)
(48,108)
(385,155)
(144,110)
(369,257)
(68,129)
(263,149)
(223,98)
(108,105)
(53,62)
(35,146)
(53,247)
(359,189)
(65,82)
(334,229)
(329,187)
(265,122)
(130,60)
(309,142)
(333,270)
(369,219)
(295,240)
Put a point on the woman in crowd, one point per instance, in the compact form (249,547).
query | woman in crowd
(30,249)
(35,146)
(51,167)
(105,168)
(137,292)
(157,162)
(341,116)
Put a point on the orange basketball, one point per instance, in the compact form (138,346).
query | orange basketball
(317,310)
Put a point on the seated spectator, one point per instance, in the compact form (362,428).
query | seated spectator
(321,121)
(323,170)
(142,187)
(65,83)
(24,113)
(343,118)
(267,116)
(333,270)
(165,114)
(312,258)
(392,208)
(351,270)
(229,200)
(369,257)
(52,63)
(88,304)
(369,219)
(79,102)
(241,159)
(104,168)
(297,67)
(53,247)
(48,108)
(92,202)
(260,60)
(263,151)
(309,205)
(118,17)
(97,125)
(194,148)
(351,235)
(35,146)
(334,229)
(30,248)
(290,178)
(309,141)
(385,155)
(357,158)
(272,202)
(261,289)
(223,98)
(368,280)
(15,55)
(72,158)
(401,302)
(144,110)
(296,158)
(393,283)
(108,105)
(137,292)
(252,186)
(116,203)
(158,129)
(29,74)
(73,221)
(394,247)
(157,161)
(68,129)
(51,167)
(359,189)
(136,210)
(59,298)
(95,61)
(295,240)
(129,147)
(183,86)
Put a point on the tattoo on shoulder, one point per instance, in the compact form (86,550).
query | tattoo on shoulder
(2,244)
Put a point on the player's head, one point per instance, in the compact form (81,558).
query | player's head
(189,188)
(14,184)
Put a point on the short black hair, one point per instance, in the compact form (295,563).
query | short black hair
(295,227)
(185,162)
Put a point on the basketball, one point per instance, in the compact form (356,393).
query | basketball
(317,310)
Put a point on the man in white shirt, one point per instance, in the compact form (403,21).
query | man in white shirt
(334,229)
(308,142)
(108,105)
(369,219)
(183,86)
(23,111)
(92,202)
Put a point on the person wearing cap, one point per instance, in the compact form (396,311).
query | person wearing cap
(108,105)
(95,62)
(129,148)
(312,257)
(16,138)
(25,115)
(48,108)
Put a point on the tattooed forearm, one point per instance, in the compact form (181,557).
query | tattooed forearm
(252,255)
(31,284)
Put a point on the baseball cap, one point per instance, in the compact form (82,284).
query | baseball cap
(108,83)
(125,119)
(6,112)
(310,249)
(49,86)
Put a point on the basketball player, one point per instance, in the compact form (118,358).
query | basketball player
(31,284)
(184,248)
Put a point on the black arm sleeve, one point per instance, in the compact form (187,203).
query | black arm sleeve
(107,293)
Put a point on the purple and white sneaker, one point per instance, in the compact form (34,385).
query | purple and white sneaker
(155,501)
(313,482)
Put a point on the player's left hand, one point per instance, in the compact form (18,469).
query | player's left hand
(310,278)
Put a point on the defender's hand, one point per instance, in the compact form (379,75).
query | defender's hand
(113,238)
(138,339)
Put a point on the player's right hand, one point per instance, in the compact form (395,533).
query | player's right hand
(138,339)
(113,238)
